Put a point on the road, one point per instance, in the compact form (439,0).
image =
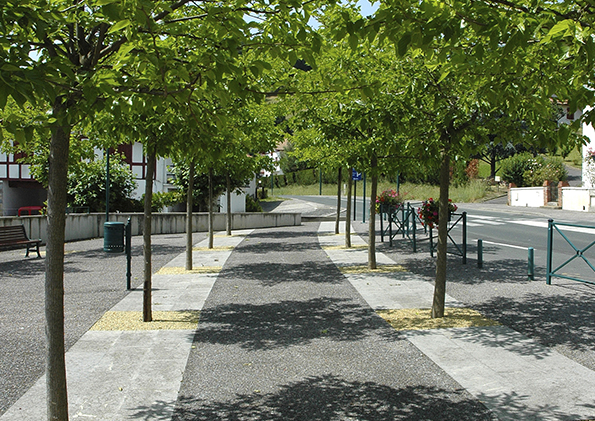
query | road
(508,232)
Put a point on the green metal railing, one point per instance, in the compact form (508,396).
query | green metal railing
(402,220)
(460,250)
(579,252)
(395,218)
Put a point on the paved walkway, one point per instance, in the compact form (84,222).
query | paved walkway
(285,335)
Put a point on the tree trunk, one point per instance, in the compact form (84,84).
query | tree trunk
(228,208)
(189,203)
(493,159)
(372,220)
(338,218)
(57,397)
(348,210)
(440,284)
(147,310)
(210,208)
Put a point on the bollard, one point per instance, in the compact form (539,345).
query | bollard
(531,264)
(480,253)
(128,248)
(550,248)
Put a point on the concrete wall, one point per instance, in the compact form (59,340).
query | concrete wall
(578,199)
(238,202)
(85,226)
(532,197)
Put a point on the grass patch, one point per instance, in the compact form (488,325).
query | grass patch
(420,319)
(574,158)
(364,269)
(474,191)
(162,320)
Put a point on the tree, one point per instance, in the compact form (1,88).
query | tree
(464,72)
(79,58)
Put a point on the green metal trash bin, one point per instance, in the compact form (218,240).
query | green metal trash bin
(113,237)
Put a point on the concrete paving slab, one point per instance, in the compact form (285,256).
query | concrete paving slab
(117,375)
(514,376)
(395,290)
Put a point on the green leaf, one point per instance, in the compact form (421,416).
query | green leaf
(119,25)
(403,44)
(444,75)
(10,67)
(558,29)
(353,41)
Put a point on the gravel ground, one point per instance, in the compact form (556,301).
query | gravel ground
(284,336)
(94,282)
(559,316)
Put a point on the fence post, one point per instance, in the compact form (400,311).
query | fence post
(480,253)
(550,245)
(431,242)
(464,238)
(403,219)
(413,227)
(531,264)
(381,227)
(128,248)
(390,229)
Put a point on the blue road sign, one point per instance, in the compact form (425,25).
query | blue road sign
(356,176)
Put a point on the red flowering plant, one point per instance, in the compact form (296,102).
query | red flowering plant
(389,201)
(428,212)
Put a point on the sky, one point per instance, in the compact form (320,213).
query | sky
(368,8)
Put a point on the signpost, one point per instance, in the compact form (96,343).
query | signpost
(355,176)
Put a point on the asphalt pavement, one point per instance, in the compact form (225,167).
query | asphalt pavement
(286,334)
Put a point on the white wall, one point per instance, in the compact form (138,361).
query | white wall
(578,199)
(588,163)
(238,202)
(85,226)
(531,197)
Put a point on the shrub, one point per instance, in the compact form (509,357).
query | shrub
(162,200)
(525,170)
(514,168)
(551,169)
(252,205)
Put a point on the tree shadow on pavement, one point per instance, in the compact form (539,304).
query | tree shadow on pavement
(330,398)
(551,320)
(273,273)
(288,323)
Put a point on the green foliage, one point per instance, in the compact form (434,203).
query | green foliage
(252,205)
(162,200)
(526,170)
(545,169)
(86,185)
(513,169)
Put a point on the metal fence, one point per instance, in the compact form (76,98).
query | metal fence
(579,252)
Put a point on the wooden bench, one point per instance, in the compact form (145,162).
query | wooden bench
(14,236)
